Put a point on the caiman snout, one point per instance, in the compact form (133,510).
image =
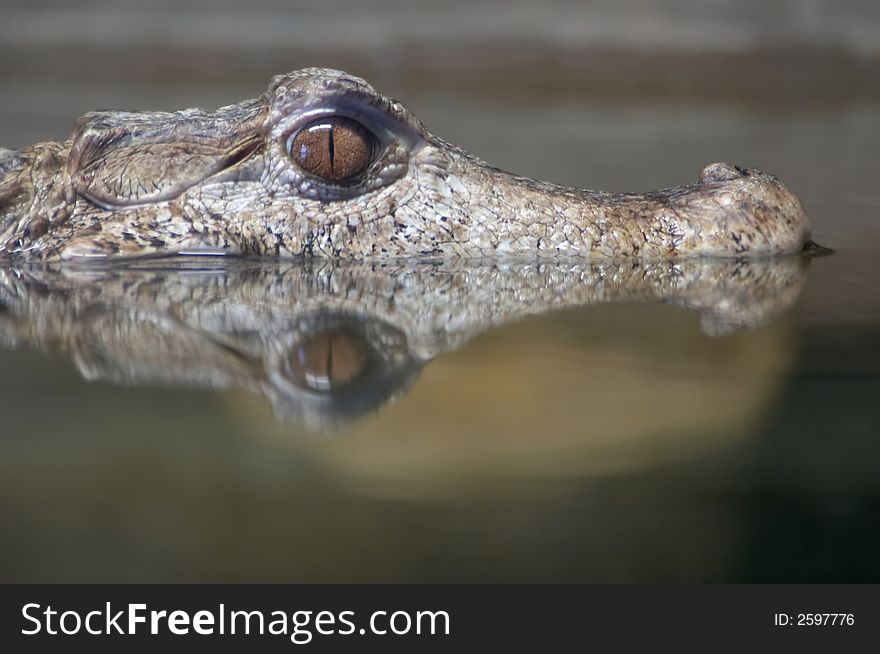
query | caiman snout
(756,213)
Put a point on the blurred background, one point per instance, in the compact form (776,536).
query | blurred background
(608,443)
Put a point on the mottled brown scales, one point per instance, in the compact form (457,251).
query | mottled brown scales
(323,165)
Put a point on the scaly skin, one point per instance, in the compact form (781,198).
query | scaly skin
(132,184)
(252,325)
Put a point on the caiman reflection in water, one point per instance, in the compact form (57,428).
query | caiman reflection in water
(327,342)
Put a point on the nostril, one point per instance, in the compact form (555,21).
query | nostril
(722,172)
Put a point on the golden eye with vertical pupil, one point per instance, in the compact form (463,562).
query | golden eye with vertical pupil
(335,149)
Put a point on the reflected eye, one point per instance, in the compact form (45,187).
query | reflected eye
(334,149)
(329,360)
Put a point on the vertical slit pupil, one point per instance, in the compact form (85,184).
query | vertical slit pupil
(335,149)
(330,145)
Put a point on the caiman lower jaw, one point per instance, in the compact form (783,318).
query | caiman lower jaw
(85,248)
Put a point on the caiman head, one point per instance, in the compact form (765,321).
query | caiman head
(323,165)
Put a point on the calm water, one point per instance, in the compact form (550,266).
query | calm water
(265,421)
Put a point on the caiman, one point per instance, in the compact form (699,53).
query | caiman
(323,165)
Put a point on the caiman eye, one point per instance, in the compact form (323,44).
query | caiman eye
(330,360)
(335,149)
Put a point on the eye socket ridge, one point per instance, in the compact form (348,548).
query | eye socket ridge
(334,149)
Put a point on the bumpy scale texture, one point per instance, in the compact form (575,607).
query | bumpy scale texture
(133,184)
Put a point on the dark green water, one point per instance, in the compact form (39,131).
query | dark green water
(148,435)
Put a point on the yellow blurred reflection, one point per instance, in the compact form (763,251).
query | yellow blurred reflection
(626,387)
